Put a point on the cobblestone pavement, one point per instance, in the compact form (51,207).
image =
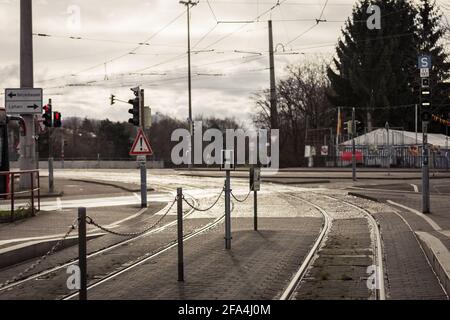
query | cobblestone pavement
(259,266)
(276,251)
(53,285)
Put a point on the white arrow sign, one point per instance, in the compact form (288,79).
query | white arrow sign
(23,101)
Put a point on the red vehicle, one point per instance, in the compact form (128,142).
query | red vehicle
(348,156)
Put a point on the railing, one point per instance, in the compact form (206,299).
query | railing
(12,194)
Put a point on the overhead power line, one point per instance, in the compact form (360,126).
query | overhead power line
(122,55)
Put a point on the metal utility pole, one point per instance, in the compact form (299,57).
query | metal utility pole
(62,148)
(425,65)
(425,171)
(446,143)
(189,4)
(273,90)
(27,143)
(353,145)
(51,184)
(417,124)
(143,163)
(388,149)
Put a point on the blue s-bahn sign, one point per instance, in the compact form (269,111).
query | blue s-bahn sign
(424,62)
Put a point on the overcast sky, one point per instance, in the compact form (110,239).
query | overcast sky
(229,63)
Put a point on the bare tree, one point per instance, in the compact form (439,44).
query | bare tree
(302,105)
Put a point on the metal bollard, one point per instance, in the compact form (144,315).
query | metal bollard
(144,203)
(255,207)
(180,235)
(51,183)
(82,253)
(228,211)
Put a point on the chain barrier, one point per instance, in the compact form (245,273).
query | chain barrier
(21,275)
(241,201)
(207,209)
(90,221)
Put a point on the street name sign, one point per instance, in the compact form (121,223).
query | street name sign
(141,146)
(23,101)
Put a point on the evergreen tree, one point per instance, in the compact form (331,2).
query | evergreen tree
(376,69)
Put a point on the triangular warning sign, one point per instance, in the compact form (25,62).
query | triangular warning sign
(141,146)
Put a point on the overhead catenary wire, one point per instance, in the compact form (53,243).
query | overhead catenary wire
(153,35)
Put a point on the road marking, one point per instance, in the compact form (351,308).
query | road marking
(416,188)
(98,202)
(431,222)
(59,205)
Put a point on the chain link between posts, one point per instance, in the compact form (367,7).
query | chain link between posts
(207,209)
(241,201)
(90,221)
(21,275)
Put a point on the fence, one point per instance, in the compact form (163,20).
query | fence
(12,194)
(403,157)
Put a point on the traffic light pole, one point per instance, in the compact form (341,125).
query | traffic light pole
(389,156)
(425,171)
(353,145)
(143,164)
(51,184)
(426,102)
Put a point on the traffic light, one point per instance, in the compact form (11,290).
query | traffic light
(136,103)
(359,127)
(48,116)
(348,127)
(113,99)
(57,120)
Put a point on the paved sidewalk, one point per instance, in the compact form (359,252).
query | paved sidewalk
(259,266)
(411,254)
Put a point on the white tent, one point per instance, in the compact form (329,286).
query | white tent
(399,138)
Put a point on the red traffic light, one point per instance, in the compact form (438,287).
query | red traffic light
(57,123)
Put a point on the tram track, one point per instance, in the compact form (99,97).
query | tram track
(295,284)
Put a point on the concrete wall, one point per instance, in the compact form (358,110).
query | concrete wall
(96,165)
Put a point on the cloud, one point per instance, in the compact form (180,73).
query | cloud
(112,29)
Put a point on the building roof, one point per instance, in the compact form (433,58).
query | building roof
(398,138)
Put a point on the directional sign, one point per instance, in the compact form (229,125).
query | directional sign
(23,101)
(424,62)
(141,146)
